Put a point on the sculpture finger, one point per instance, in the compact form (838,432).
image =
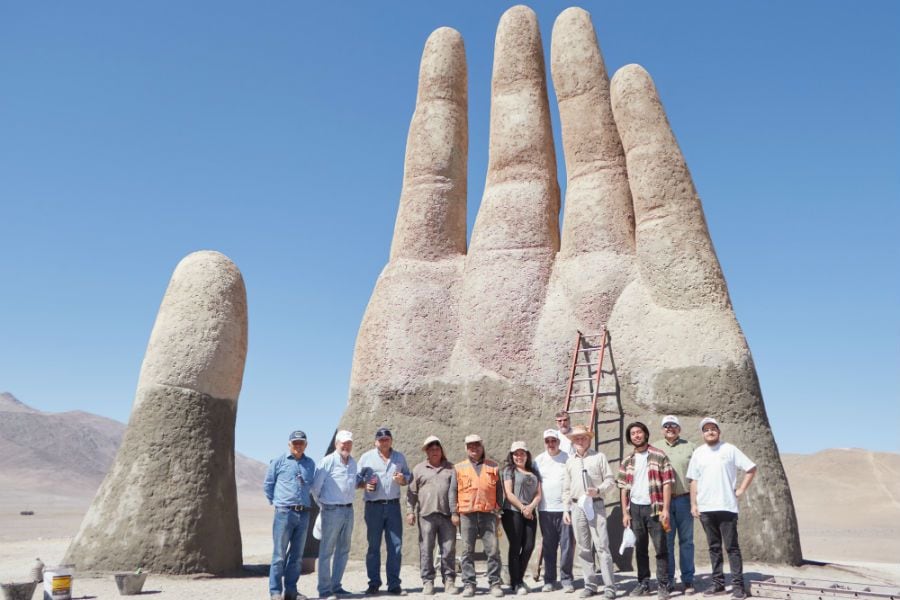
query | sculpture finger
(598,214)
(169,501)
(516,233)
(431,220)
(675,253)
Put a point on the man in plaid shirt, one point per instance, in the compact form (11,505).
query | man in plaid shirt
(646,478)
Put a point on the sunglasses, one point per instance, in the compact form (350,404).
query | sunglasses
(671,426)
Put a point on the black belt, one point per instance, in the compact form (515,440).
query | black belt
(295,508)
(394,501)
(340,505)
(680,495)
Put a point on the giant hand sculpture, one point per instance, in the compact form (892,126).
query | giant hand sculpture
(458,340)
(169,502)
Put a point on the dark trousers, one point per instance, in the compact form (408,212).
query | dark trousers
(645,528)
(721,530)
(556,534)
(521,533)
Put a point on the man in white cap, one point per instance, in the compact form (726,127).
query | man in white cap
(714,500)
(333,489)
(587,478)
(555,534)
(476,495)
(428,497)
(681,522)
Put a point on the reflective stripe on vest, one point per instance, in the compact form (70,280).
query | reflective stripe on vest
(477,493)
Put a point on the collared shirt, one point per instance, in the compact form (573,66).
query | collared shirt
(288,480)
(552,470)
(582,472)
(679,455)
(429,490)
(659,474)
(372,463)
(335,481)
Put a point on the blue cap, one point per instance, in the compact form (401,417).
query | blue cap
(297,435)
(384,432)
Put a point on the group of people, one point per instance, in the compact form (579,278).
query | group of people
(663,487)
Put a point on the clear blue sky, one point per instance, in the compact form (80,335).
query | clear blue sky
(134,133)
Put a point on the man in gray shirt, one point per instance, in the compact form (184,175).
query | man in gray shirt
(428,497)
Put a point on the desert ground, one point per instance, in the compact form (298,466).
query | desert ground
(850,533)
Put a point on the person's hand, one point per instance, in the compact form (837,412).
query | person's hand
(410,519)
(664,518)
(567,518)
(454,518)
(528,512)
(399,478)
(626,519)
(738,493)
(592,492)
(695,512)
(451,329)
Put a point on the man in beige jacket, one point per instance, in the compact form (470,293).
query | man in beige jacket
(587,477)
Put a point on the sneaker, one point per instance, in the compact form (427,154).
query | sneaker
(609,593)
(371,591)
(586,593)
(568,588)
(670,587)
(276,597)
(397,591)
(342,592)
(469,590)
(450,587)
(548,587)
(714,590)
(428,588)
(522,590)
(662,592)
(738,593)
(497,591)
(641,589)
(689,589)
(331,597)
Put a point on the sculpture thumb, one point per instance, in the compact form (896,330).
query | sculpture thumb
(169,502)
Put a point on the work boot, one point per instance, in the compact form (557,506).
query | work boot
(496,591)
(738,592)
(662,592)
(428,588)
(641,589)
(689,589)
(450,587)
(714,590)
(468,590)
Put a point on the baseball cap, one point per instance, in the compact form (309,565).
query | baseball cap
(473,438)
(383,432)
(670,419)
(343,436)
(430,440)
(551,433)
(518,446)
(297,435)
(707,421)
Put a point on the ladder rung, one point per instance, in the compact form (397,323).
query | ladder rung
(584,335)
(605,421)
(583,379)
(591,395)
(609,441)
(571,412)
(587,364)
(605,394)
(590,348)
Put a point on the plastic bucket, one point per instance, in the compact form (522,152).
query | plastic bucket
(58,582)
(18,591)
(130,584)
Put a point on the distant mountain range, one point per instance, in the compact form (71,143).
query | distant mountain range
(69,453)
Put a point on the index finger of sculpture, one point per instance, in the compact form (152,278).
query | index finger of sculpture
(675,252)
(599,214)
(431,220)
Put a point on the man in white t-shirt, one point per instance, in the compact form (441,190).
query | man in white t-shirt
(555,534)
(714,499)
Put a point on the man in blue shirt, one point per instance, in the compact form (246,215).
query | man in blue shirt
(287,487)
(333,489)
(384,470)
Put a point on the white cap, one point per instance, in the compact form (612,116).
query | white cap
(548,433)
(707,421)
(473,438)
(518,446)
(670,419)
(343,436)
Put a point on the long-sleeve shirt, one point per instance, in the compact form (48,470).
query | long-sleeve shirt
(372,463)
(335,482)
(429,490)
(658,473)
(454,491)
(591,470)
(288,480)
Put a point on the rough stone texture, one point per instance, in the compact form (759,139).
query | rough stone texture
(169,502)
(457,341)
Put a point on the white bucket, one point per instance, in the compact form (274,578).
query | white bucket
(58,582)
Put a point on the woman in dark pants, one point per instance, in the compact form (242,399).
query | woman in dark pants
(522,485)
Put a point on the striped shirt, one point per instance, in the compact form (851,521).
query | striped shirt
(659,474)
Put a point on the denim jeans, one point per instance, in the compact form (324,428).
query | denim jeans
(682,523)
(288,540)
(471,527)
(384,520)
(334,547)
(721,530)
(556,534)
(646,528)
